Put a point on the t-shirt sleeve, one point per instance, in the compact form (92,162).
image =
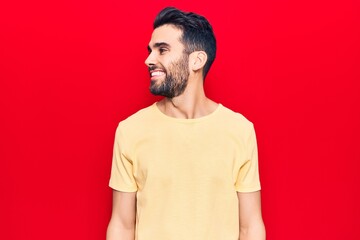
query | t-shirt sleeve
(248,175)
(122,177)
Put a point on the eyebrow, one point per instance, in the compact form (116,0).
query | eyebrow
(158,45)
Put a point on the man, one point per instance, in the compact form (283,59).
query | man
(184,168)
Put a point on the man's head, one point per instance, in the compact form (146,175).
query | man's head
(197,33)
(176,36)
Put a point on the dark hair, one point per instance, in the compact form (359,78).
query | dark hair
(197,33)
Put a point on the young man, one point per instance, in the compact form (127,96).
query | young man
(184,168)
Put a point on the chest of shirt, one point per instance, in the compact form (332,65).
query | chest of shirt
(173,157)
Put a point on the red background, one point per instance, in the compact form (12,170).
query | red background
(71,70)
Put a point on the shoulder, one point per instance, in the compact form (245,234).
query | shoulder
(139,116)
(138,120)
(235,119)
(238,126)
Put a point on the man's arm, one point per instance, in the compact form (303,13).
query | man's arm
(123,217)
(251,223)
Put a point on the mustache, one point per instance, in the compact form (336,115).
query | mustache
(153,67)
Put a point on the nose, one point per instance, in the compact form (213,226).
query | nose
(150,60)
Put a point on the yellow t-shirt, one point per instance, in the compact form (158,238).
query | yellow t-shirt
(186,172)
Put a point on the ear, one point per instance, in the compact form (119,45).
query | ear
(197,60)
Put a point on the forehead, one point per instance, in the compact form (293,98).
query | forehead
(167,34)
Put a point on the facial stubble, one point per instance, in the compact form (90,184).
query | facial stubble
(176,79)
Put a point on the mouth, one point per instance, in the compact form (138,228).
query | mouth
(156,73)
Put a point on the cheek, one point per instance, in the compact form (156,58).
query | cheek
(169,66)
(164,64)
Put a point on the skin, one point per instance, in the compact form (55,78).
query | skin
(192,103)
(189,103)
(176,75)
(251,224)
(122,222)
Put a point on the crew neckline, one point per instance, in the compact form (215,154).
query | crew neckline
(186,120)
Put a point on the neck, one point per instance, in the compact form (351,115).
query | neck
(192,103)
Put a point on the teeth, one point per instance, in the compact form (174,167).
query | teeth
(156,74)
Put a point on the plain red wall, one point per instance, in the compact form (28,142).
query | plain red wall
(71,70)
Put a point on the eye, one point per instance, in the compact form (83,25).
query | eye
(162,50)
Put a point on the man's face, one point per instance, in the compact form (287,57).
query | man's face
(167,62)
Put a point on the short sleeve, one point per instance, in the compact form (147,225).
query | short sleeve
(122,177)
(248,175)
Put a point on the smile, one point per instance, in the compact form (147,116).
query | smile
(156,73)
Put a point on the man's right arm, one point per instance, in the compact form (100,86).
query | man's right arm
(123,217)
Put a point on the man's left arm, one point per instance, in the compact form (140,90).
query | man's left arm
(250,217)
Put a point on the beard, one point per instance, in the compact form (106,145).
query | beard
(176,79)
